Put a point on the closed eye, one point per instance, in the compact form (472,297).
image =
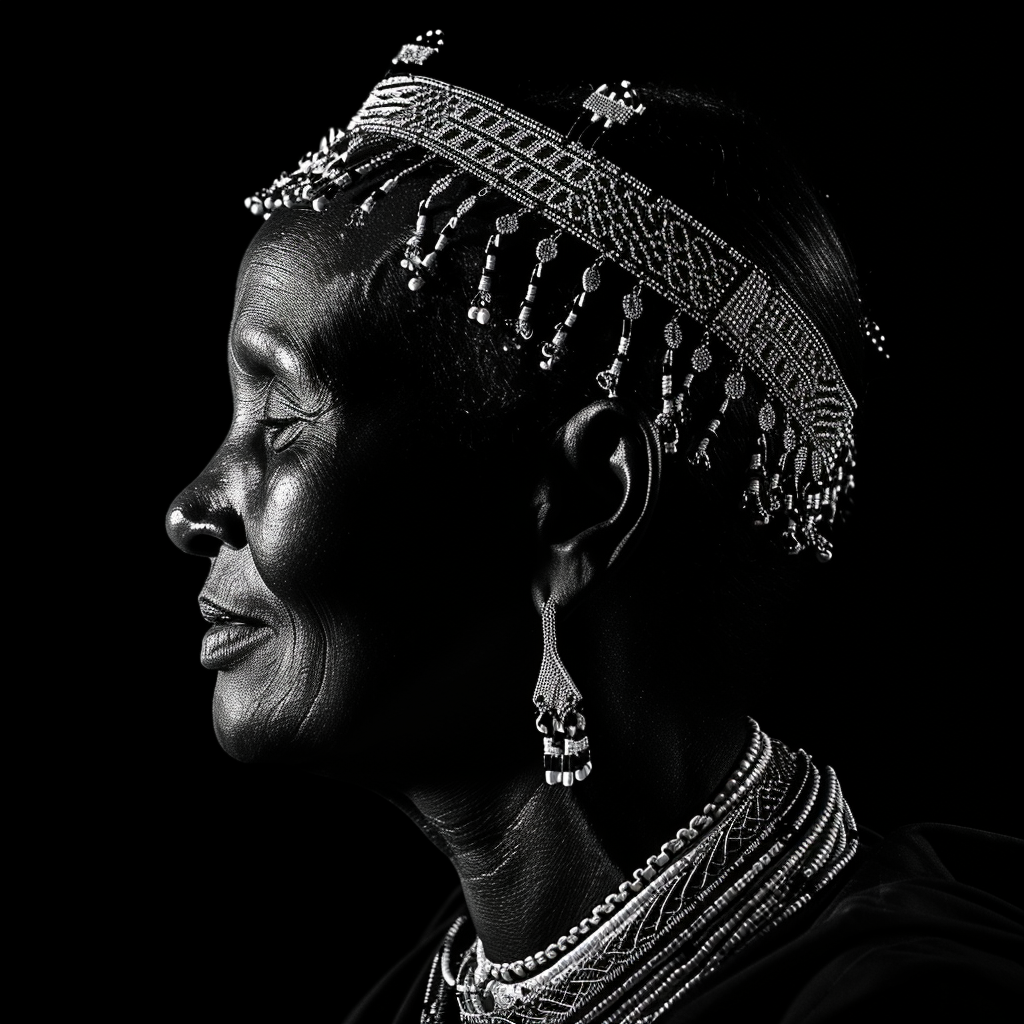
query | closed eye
(282,431)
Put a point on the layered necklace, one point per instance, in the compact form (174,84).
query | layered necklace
(777,833)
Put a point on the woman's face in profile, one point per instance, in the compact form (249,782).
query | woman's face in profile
(353,570)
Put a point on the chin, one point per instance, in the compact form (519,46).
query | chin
(258,718)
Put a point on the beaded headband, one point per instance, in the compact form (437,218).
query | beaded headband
(806,417)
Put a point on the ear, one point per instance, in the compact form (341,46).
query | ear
(595,499)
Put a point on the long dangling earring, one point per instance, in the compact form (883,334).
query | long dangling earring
(560,712)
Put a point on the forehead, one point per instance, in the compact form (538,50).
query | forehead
(320,296)
(306,288)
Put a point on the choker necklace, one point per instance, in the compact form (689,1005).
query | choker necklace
(777,833)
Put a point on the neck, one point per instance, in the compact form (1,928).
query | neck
(535,859)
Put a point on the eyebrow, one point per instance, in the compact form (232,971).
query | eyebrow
(254,347)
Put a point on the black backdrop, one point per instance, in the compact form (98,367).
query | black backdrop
(254,890)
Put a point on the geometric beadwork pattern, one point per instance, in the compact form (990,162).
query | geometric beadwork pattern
(782,844)
(647,236)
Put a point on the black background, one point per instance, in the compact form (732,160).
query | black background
(254,890)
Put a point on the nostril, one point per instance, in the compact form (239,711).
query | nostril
(194,535)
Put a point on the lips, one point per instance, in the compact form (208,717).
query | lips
(232,635)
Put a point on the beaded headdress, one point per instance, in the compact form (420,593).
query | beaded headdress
(802,459)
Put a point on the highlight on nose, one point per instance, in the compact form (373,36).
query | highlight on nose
(203,533)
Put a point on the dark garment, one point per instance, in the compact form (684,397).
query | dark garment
(925,921)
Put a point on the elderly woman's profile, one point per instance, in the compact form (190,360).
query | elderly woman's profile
(544,442)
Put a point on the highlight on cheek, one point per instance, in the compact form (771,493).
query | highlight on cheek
(511,420)
(284,497)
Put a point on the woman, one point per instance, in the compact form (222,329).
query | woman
(405,495)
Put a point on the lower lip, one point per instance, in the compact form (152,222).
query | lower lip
(224,645)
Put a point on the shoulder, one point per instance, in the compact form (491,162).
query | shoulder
(929,917)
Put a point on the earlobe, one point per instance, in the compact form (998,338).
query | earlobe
(595,499)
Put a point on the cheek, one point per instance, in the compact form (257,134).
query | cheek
(291,532)
(328,523)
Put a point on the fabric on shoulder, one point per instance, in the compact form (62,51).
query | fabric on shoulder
(927,919)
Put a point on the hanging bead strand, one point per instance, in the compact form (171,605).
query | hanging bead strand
(547,250)
(753,496)
(735,388)
(555,349)
(609,379)
(414,246)
(667,421)
(479,310)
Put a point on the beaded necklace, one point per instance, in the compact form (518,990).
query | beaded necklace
(777,833)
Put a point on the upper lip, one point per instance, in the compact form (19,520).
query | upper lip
(220,614)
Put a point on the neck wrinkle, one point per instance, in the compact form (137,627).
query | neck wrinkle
(535,859)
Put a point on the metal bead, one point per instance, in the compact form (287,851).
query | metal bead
(547,250)
(632,305)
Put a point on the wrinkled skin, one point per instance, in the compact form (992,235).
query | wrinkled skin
(335,513)
(374,589)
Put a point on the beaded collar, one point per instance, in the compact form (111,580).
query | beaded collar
(778,833)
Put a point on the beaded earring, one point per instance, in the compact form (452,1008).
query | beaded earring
(560,718)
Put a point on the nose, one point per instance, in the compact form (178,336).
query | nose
(203,516)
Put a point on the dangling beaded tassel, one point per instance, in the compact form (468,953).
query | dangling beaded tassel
(413,260)
(414,246)
(320,194)
(367,205)
(700,360)
(761,498)
(555,349)
(632,309)
(560,718)
(526,307)
(547,250)
(479,310)
(772,491)
(429,262)
(735,387)
(609,379)
(792,535)
(332,177)
(383,191)
(667,420)
(813,494)
(753,496)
